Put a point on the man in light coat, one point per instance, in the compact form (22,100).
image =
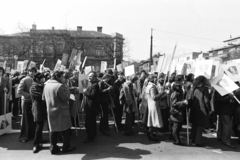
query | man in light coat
(57,95)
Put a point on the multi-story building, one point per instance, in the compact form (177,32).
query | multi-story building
(38,44)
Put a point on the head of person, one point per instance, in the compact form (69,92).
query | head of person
(151,78)
(92,77)
(133,78)
(190,77)
(75,74)
(120,76)
(39,78)
(106,77)
(172,77)
(16,74)
(109,71)
(201,81)
(100,76)
(58,76)
(143,74)
(177,86)
(2,71)
(32,71)
(161,80)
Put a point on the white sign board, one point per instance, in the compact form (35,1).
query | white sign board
(204,68)
(103,66)
(83,82)
(232,70)
(129,70)
(5,123)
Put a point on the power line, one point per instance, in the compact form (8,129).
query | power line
(186,35)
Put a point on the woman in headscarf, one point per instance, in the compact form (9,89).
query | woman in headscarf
(154,111)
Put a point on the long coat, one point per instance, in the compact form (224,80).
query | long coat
(4,83)
(39,109)
(177,104)
(200,106)
(92,98)
(154,111)
(57,96)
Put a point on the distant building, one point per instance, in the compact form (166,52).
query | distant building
(38,44)
(230,51)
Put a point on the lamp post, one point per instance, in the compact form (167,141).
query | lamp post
(15,61)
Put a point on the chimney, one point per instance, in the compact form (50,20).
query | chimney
(52,28)
(79,28)
(34,27)
(99,29)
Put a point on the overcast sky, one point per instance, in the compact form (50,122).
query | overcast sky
(204,22)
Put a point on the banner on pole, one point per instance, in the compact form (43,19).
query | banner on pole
(223,84)
(87,69)
(119,68)
(20,66)
(83,82)
(203,67)
(58,65)
(73,54)
(103,66)
(232,70)
(25,64)
(31,64)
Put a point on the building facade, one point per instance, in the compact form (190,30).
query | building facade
(50,44)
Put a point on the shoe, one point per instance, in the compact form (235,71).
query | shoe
(54,149)
(105,133)
(229,145)
(88,140)
(36,149)
(23,140)
(69,149)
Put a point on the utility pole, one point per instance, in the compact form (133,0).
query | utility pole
(151,57)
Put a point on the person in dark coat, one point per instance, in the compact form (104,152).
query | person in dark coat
(178,105)
(4,88)
(104,101)
(91,107)
(118,110)
(39,109)
(223,106)
(200,108)
(15,100)
(236,115)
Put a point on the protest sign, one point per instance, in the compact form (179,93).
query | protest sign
(129,70)
(232,70)
(20,66)
(83,82)
(203,67)
(58,65)
(62,68)
(73,54)
(87,69)
(103,66)
(31,64)
(25,64)
(65,59)
(119,68)
(8,70)
(223,84)
(78,58)
(5,123)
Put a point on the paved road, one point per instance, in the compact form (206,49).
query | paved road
(118,146)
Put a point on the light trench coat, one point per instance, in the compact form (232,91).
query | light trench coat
(154,111)
(57,96)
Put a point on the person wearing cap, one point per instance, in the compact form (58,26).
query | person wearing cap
(27,123)
(4,88)
(105,88)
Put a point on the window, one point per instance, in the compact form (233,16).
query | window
(98,51)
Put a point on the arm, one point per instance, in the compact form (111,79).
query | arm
(175,101)
(21,89)
(35,94)
(154,95)
(64,93)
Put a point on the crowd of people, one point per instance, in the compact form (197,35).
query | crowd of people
(161,103)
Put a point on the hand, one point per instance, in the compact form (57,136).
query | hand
(109,88)
(186,102)
(167,91)
(5,90)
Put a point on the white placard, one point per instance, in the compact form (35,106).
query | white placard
(204,68)
(129,70)
(5,123)
(223,84)
(87,69)
(232,70)
(119,68)
(83,83)
(103,66)
(58,65)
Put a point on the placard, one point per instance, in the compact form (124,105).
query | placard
(232,70)
(223,84)
(83,82)
(64,59)
(5,123)
(119,68)
(58,65)
(103,66)
(204,68)
(87,69)
(129,70)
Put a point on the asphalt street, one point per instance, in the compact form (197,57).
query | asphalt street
(118,146)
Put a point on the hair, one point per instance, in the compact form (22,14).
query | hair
(151,78)
(3,71)
(106,76)
(57,74)
(133,78)
(120,73)
(189,77)
(38,76)
(100,75)
(16,73)
(33,69)
(109,71)
(143,71)
(176,86)
(94,73)
(200,80)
